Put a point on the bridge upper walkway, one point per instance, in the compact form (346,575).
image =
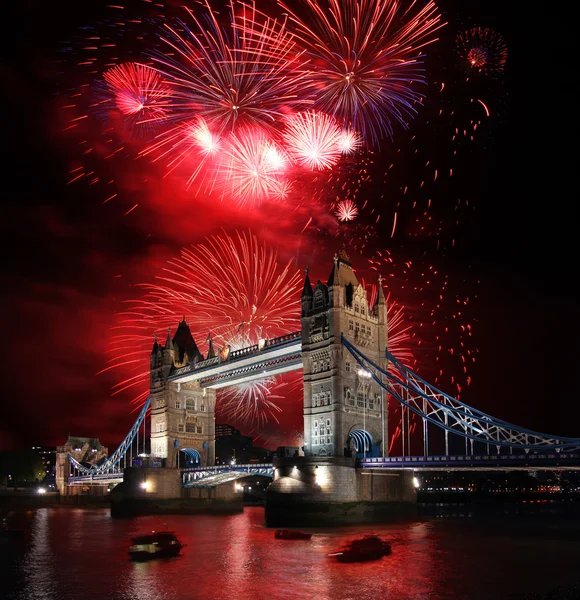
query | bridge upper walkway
(269,357)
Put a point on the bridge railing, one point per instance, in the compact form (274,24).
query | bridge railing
(241,353)
(115,475)
(492,458)
(219,468)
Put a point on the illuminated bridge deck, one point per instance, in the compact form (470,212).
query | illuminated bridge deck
(507,462)
(272,357)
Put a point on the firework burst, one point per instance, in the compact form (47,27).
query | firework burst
(137,90)
(253,168)
(314,140)
(247,73)
(365,56)
(231,286)
(482,50)
(346,210)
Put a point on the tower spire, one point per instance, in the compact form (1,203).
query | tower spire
(168,342)
(210,350)
(380,293)
(307,290)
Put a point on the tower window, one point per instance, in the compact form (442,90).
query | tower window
(178,403)
(190,427)
(180,428)
(190,404)
(200,429)
(347,366)
(356,308)
(350,325)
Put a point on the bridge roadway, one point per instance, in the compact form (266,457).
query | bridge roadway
(212,476)
(502,462)
(268,358)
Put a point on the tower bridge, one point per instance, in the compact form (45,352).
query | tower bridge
(349,377)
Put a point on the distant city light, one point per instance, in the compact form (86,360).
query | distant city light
(416,482)
(145,485)
(41,491)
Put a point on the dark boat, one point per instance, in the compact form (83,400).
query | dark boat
(288,534)
(10,528)
(157,544)
(370,547)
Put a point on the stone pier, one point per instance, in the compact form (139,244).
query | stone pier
(159,491)
(329,490)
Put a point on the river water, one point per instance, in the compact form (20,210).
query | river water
(81,554)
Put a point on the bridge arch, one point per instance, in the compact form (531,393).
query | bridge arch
(363,441)
(190,457)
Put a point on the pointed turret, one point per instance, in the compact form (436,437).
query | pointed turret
(183,344)
(307,290)
(168,340)
(380,301)
(307,294)
(155,346)
(210,351)
(380,312)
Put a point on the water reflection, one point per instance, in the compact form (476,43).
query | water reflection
(38,565)
(82,554)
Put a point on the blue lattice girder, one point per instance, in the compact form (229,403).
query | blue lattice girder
(451,415)
(113,460)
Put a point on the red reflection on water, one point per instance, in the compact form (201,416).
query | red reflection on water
(72,554)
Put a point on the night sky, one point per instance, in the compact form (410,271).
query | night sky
(70,261)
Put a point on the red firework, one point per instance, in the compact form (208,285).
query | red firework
(482,50)
(366,56)
(314,140)
(232,287)
(346,210)
(252,168)
(137,90)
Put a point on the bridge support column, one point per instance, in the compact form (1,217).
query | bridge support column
(159,491)
(315,490)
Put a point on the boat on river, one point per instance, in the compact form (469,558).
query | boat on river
(289,534)
(157,544)
(368,548)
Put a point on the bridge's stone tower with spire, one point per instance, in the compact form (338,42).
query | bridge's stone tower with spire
(341,401)
(182,414)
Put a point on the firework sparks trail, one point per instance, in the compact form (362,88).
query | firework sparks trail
(231,286)
(365,57)
(482,50)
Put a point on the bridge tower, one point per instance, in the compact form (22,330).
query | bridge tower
(182,414)
(343,405)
